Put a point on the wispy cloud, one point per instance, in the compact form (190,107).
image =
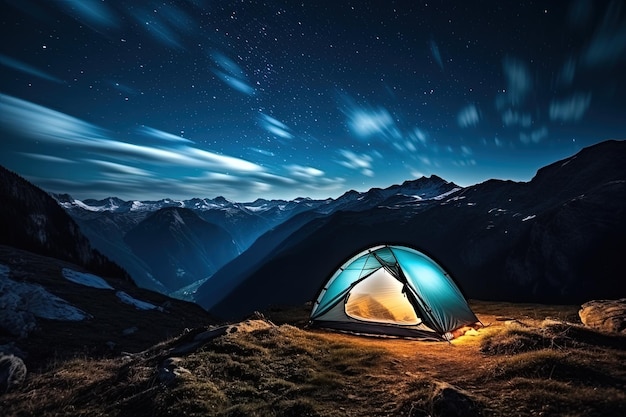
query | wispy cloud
(304,171)
(274,126)
(365,122)
(468,116)
(534,136)
(172,166)
(95,14)
(569,109)
(158,27)
(120,168)
(264,152)
(48,158)
(27,69)
(608,43)
(231,73)
(514,118)
(359,162)
(434,51)
(159,134)
(518,79)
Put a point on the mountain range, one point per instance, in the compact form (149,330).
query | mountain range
(558,238)
(173,246)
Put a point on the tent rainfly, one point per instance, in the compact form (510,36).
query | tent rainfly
(392,290)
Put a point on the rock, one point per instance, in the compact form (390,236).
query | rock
(12,372)
(130,330)
(449,401)
(170,370)
(605,315)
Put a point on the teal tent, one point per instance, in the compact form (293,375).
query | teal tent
(393,291)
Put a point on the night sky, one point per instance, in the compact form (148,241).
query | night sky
(279,99)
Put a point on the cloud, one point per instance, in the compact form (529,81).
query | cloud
(92,13)
(274,126)
(159,134)
(513,118)
(362,162)
(120,168)
(434,50)
(262,151)
(35,121)
(231,73)
(173,167)
(40,123)
(227,65)
(518,79)
(419,135)
(304,172)
(158,27)
(48,158)
(235,83)
(534,136)
(608,43)
(468,116)
(567,73)
(28,69)
(370,122)
(569,109)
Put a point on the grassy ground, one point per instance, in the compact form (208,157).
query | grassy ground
(530,360)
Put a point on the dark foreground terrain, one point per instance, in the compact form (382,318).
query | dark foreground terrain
(530,360)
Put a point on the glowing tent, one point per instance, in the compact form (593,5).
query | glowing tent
(394,291)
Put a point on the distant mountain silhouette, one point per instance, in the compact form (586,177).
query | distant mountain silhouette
(559,238)
(179,247)
(31,220)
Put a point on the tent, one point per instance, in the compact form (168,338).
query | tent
(392,290)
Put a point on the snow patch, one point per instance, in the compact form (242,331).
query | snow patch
(21,303)
(255,209)
(137,206)
(444,195)
(497,210)
(87,207)
(138,304)
(88,280)
(529,217)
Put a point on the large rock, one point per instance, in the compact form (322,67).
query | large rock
(605,315)
(12,372)
(450,401)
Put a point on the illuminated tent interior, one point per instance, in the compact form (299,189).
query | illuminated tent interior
(392,290)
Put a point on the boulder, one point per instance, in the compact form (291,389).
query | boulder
(450,401)
(12,372)
(605,315)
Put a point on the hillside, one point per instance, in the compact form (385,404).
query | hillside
(32,220)
(523,364)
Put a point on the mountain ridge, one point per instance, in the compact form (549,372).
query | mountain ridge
(518,241)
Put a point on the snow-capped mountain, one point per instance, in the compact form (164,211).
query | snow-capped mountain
(559,238)
(112,226)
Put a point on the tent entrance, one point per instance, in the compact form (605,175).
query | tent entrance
(379,299)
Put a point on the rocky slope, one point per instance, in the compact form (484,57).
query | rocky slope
(32,220)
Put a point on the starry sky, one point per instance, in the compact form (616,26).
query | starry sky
(301,98)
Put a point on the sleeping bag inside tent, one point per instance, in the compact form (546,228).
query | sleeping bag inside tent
(392,290)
